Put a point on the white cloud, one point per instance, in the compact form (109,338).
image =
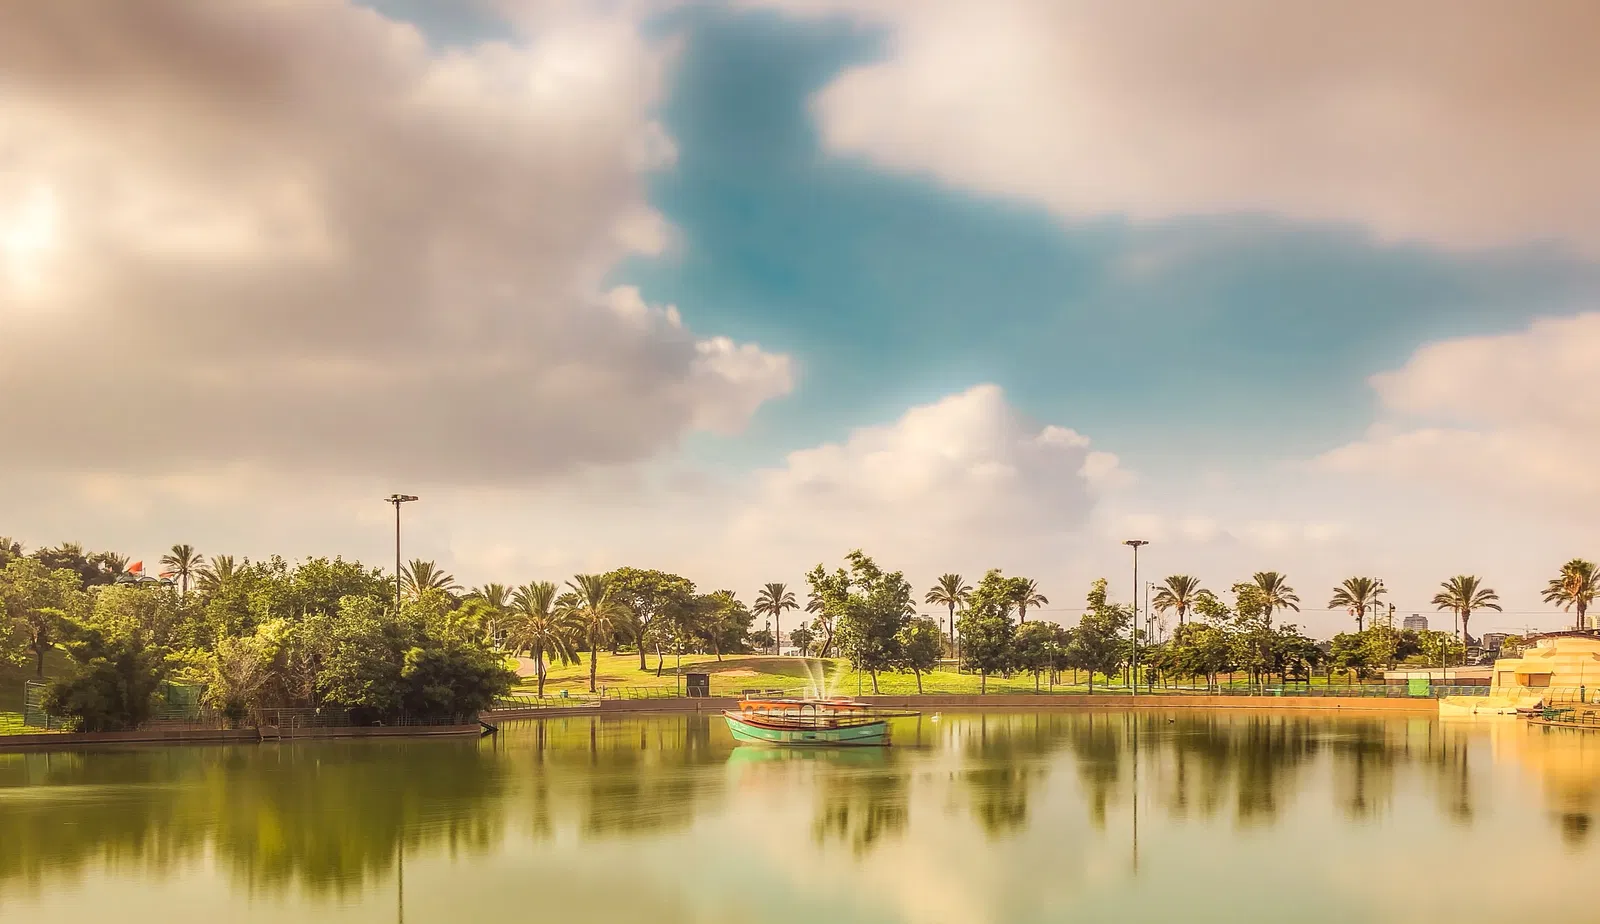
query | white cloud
(296,237)
(963,477)
(1366,112)
(1509,418)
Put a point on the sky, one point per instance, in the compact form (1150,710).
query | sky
(732,288)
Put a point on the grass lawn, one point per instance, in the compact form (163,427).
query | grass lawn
(737,673)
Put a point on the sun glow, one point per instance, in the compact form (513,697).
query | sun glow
(28,230)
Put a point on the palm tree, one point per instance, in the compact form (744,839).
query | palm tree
(1355,595)
(824,621)
(110,564)
(594,609)
(1179,592)
(1025,593)
(537,626)
(1461,594)
(422,575)
(182,562)
(772,601)
(1276,593)
(496,603)
(1574,588)
(216,573)
(951,591)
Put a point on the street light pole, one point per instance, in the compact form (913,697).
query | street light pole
(397,500)
(1134,544)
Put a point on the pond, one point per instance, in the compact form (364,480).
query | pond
(994,817)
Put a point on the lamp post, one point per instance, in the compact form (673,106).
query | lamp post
(1134,677)
(397,500)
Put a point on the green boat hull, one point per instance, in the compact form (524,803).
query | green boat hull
(866,734)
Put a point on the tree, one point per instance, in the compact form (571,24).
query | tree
(986,629)
(496,605)
(109,566)
(1461,595)
(649,597)
(596,611)
(182,563)
(70,556)
(822,622)
(772,602)
(1178,593)
(920,645)
(1098,644)
(1574,588)
(1355,595)
(10,550)
(1025,593)
(458,680)
(949,591)
(419,575)
(722,622)
(38,600)
(1350,653)
(539,628)
(1033,649)
(1438,649)
(1276,594)
(112,686)
(802,638)
(216,573)
(868,607)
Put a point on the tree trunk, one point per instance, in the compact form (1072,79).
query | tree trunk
(538,670)
(983,682)
(643,666)
(1035,681)
(1091,679)
(874,675)
(39,652)
(594,660)
(919,681)
(777,635)
(659,658)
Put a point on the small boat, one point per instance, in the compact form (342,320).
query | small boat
(813,722)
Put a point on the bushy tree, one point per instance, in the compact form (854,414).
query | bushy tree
(455,679)
(39,601)
(1099,643)
(111,686)
(986,628)
(1034,649)
(802,638)
(649,597)
(868,606)
(919,646)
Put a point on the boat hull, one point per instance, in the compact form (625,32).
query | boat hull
(865,734)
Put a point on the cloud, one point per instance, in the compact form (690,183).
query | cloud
(296,237)
(1510,417)
(964,477)
(1473,133)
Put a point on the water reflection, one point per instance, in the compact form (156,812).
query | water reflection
(328,820)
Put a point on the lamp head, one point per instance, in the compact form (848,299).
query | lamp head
(400,498)
(1135,543)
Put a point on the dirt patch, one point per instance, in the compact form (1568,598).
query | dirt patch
(736,673)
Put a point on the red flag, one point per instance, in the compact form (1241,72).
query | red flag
(136,567)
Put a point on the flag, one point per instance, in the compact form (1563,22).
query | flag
(136,567)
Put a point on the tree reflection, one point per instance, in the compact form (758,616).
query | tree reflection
(1004,756)
(863,796)
(325,817)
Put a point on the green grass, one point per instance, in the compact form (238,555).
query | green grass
(736,673)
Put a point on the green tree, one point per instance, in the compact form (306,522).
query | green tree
(1355,595)
(538,627)
(454,679)
(919,647)
(496,606)
(868,606)
(1438,649)
(1574,588)
(986,628)
(1276,594)
(649,597)
(216,573)
(10,550)
(70,556)
(1178,593)
(722,622)
(1461,595)
(952,592)
(419,575)
(1098,643)
(772,602)
(802,638)
(358,655)
(596,611)
(38,600)
(1025,593)
(111,687)
(182,563)
(1033,649)
(1349,652)
(150,614)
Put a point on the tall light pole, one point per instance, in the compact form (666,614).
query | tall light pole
(397,500)
(1134,544)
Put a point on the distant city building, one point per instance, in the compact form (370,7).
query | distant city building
(1417,623)
(1492,641)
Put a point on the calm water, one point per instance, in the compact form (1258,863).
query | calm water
(970,818)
